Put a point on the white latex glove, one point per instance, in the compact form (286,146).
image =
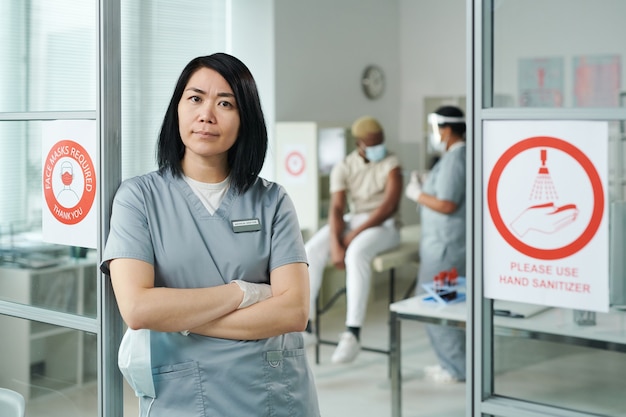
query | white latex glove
(413,188)
(422,177)
(253,292)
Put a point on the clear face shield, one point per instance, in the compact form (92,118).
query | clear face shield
(434,138)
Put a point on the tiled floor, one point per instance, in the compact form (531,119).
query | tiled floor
(362,388)
(558,374)
(538,371)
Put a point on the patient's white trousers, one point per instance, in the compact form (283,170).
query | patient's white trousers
(365,246)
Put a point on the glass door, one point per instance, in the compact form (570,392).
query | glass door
(550,324)
(48,281)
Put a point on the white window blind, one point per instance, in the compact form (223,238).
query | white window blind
(158,39)
(48,63)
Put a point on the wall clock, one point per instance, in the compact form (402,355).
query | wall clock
(373,81)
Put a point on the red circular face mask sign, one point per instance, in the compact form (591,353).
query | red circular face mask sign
(544,142)
(295,163)
(69,182)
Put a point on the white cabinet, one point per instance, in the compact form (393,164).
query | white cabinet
(306,152)
(38,358)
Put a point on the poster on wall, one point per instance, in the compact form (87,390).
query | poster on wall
(597,80)
(69,155)
(545,227)
(540,82)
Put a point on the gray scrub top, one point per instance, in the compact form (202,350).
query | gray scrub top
(158,219)
(442,239)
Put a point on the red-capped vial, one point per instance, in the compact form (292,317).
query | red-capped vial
(441,279)
(452,277)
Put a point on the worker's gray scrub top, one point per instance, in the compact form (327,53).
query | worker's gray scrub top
(442,239)
(158,219)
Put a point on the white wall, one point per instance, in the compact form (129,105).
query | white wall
(432,58)
(323,46)
(432,41)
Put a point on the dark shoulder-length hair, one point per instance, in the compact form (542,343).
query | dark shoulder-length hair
(246,156)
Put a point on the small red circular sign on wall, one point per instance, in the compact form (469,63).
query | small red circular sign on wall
(69,182)
(295,163)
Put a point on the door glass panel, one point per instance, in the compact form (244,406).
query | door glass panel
(563,375)
(569,358)
(49,56)
(49,64)
(545,58)
(53,276)
(53,368)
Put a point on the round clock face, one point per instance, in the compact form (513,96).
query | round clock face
(373,81)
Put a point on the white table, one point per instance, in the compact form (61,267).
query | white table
(554,324)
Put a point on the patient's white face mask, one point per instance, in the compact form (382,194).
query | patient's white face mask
(135,363)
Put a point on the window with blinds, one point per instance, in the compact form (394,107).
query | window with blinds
(158,39)
(49,64)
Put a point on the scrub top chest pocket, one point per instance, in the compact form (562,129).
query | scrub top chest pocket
(252,248)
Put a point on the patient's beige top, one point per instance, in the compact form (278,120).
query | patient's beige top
(364,182)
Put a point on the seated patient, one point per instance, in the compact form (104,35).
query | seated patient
(369,182)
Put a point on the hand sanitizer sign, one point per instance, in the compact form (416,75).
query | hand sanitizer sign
(545,225)
(69,214)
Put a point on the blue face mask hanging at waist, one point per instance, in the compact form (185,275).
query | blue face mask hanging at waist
(134,361)
(375,153)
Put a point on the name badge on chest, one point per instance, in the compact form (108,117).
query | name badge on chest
(246,225)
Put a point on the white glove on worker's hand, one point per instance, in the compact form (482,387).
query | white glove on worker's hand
(253,292)
(413,188)
(422,176)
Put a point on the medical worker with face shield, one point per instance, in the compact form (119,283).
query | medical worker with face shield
(441,199)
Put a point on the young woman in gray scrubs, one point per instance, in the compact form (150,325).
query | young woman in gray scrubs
(210,258)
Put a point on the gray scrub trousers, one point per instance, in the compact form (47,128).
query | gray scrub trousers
(158,219)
